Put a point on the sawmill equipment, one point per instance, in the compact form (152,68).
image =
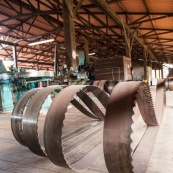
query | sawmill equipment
(107,123)
(14,84)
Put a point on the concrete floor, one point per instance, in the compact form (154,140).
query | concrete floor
(19,159)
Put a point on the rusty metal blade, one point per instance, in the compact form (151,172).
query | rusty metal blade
(117,125)
(53,130)
(17,115)
(118,121)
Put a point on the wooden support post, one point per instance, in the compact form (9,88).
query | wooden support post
(69,34)
(129,39)
(128,43)
(150,61)
(128,51)
(145,63)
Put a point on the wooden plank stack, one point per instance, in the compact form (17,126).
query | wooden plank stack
(118,68)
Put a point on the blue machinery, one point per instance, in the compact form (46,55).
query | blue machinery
(14,84)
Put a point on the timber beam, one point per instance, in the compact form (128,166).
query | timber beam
(69,34)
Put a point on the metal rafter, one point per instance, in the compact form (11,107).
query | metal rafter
(104,6)
(105,35)
(146,6)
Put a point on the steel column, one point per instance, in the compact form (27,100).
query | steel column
(56,57)
(69,34)
(15,56)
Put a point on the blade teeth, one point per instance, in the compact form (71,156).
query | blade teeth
(147,93)
(148,97)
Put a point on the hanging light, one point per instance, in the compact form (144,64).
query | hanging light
(92,53)
(41,42)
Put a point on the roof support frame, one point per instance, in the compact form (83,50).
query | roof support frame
(105,7)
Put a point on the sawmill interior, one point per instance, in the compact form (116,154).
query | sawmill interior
(86,86)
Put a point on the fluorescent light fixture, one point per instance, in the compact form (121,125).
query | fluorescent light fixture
(41,42)
(92,53)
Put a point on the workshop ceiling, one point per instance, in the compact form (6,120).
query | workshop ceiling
(26,21)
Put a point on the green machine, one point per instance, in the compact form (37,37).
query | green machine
(6,98)
(14,84)
(24,81)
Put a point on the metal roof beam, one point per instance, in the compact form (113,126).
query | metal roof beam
(28,7)
(105,7)
(158,29)
(77,7)
(147,8)
(97,29)
(18,16)
(169,14)
(8,43)
(149,20)
(169,39)
(35,62)
(156,34)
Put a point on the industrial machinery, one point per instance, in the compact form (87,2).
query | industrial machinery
(24,81)
(108,125)
(82,75)
(6,98)
(14,84)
